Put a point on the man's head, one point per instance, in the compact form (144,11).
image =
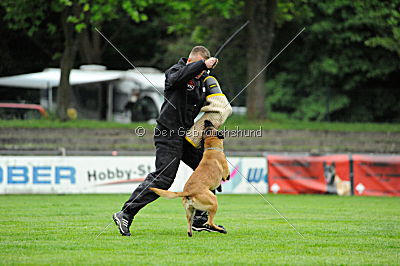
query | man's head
(198,53)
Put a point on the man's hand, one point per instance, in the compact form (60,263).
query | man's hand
(211,62)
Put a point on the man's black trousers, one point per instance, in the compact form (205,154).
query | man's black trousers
(170,150)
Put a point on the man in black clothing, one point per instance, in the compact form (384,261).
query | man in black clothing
(185,94)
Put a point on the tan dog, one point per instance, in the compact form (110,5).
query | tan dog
(212,169)
(343,188)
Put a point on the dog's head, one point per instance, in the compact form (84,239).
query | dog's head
(212,136)
(210,131)
(329,170)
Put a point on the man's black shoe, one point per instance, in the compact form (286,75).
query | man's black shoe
(199,223)
(208,228)
(123,221)
(200,217)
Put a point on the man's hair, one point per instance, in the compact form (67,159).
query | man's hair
(200,51)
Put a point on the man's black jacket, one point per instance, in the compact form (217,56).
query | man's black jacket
(184,95)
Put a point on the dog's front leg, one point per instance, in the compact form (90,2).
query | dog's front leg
(226,174)
(211,214)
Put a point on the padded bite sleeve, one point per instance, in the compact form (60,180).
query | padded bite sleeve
(217,110)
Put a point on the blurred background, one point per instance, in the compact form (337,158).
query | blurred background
(344,67)
(331,96)
(327,108)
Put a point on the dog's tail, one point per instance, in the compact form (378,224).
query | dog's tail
(169,194)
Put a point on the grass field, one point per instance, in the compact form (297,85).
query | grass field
(51,229)
(275,122)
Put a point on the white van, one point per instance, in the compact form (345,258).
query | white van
(98,93)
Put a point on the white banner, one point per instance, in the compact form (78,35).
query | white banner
(253,169)
(112,174)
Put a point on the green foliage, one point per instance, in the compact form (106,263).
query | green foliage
(386,18)
(31,15)
(349,53)
(189,16)
(346,59)
(288,10)
(26,15)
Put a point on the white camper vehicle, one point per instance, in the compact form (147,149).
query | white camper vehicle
(100,94)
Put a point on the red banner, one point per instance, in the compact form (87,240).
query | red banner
(376,175)
(309,174)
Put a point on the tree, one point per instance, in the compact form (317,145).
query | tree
(208,24)
(76,16)
(262,15)
(348,57)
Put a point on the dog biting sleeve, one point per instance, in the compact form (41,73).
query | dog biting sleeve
(217,110)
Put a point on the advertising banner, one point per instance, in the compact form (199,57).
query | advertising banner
(248,175)
(72,174)
(112,174)
(376,175)
(289,174)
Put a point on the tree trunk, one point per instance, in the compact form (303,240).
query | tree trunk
(90,50)
(261,34)
(64,93)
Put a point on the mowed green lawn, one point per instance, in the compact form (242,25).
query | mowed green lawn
(51,229)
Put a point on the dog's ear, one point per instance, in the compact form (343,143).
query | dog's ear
(207,123)
(220,135)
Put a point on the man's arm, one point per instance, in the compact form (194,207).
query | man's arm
(182,74)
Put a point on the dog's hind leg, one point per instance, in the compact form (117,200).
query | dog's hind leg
(189,215)
(208,202)
(211,214)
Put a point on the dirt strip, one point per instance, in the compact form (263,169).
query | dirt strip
(43,139)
